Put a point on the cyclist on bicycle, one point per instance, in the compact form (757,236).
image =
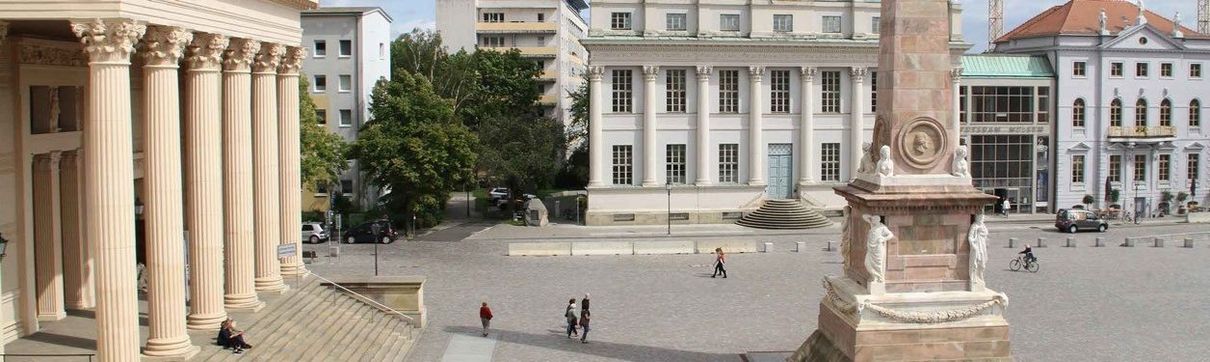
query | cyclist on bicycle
(1029,254)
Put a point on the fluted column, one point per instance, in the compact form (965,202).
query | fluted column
(77,261)
(756,143)
(237,175)
(806,128)
(955,115)
(162,145)
(704,176)
(48,249)
(290,183)
(267,200)
(596,141)
(856,119)
(204,180)
(109,190)
(650,161)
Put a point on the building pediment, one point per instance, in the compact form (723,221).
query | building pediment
(1195,146)
(1079,147)
(1143,37)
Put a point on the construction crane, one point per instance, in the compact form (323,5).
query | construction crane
(1203,16)
(995,21)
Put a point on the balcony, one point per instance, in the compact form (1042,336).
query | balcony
(1142,133)
(548,100)
(548,76)
(516,28)
(528,52)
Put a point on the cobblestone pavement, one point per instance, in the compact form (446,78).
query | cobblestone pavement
(1086,304)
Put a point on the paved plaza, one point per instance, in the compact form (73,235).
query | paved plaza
(1086,303)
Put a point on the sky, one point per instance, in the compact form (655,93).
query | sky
(410,14)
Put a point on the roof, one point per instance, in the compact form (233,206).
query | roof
(1006,66)
(1083,17)
(579,5)
(357,10)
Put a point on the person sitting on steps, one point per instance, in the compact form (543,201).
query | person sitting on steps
(230,337)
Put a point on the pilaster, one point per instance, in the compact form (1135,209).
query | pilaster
(856,119)
(596,155)
(77,260)
(650,73)
(956,80)
(238,250)
(704,174)
(756,142)
(266,175)
(806,128)
(48,248)
(289,183)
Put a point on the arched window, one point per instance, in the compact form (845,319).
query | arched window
(1140,113)
(1195,113)
(1166,113)
(1115,113)
(1077,113)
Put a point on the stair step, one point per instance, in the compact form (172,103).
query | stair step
(783,214)
(342,336)
(306,333)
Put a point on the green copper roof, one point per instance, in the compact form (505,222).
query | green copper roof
(1006,66)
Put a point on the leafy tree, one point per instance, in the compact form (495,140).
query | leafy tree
(524,154)
(1088,200)
(574,174)
(323,156)
(422,53)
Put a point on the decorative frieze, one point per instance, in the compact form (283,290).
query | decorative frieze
(39,53)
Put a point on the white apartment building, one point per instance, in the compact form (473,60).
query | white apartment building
(1131,91)
(348,51)
(703,109)
(547,31)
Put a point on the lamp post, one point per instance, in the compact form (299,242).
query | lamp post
(1136,202)
(375,228)
(668,187)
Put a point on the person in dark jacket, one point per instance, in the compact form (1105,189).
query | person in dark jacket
(585,316)
(571,318)
(720,261)
(231,337)
(584,305)
(485,316)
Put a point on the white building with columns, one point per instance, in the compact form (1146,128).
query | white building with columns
(183,115)
(701,110)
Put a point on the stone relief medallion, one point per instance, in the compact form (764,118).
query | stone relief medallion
(922,142)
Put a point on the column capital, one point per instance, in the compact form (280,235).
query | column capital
(956,75)
(205,52)
(756,72)
(704,71)
(268,58)
(595,73)
(48,161)
(239,53)
(291,61)
(858,73)
(808,73)
(164,45)
(108,41)
(650,72)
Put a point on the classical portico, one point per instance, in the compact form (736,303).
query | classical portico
(140,139)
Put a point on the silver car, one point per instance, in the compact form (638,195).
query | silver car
(314,232)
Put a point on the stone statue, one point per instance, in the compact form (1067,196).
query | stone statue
(1104,23)
(875,249)
(961,166)
(846,239)
(867,160)
(978,257)
(886,166)
(55,109)
(1142,11)
(1176,26)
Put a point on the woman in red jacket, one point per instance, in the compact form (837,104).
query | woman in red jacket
(485,315)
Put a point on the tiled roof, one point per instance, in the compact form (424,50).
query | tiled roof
(1083,17)
(1006,66)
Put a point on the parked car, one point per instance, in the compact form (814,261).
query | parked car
(313,232)
(497,193)
(1075,220)
(378,231)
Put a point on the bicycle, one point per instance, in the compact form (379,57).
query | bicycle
(1031,266)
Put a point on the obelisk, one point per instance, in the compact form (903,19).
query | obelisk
(912,286)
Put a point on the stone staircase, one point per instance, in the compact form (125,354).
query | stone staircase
(312,322)
(784,214)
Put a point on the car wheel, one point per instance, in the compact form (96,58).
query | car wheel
(314,239)
(1104,227)
(386,239)
(1073,229)
(350,240)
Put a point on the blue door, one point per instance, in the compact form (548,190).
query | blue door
(780,171)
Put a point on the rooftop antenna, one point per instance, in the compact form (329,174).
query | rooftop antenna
(995,22)
(1203,16)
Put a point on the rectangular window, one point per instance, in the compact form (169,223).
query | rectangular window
(1195,114)
(1195,71)
(1004,161)
(831,24)
(541,18)
(623,166)
(1115,168)
(1077,113)
(346,186)
(1140,70)
(1166,70)
(619,21)
(876,25)
(1115,69)
(1079,69)
(829,162)
(1140,168)
(1002,104)
(321,116)
(783,23)
(1043,104)
(321,48)
(728,22)
(346,82)
(623,89)
(962,104)
(674,91)
(382,51)
(829,93)
(674,164)
(1165,162)
(779,91)
(493,17)
(321,83)
(677,22)
(492,41)
(728,163)
(728,91)
(1194,166)
(346,48)
(873,91)
(346,117)
(1077,169)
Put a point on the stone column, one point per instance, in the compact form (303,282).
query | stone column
(204,180)
(856,119)
(596,141)
(956,79)
(48,249)
(290,183)
(267,200)
(704,176)
(77,261)
(237,175)
(650,73)
(756,143)
(806,128)
(109,190)
(162,169)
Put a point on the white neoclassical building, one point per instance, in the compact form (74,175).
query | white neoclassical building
(701,110)
(160,116)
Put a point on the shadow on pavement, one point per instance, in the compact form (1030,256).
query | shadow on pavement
(619,351)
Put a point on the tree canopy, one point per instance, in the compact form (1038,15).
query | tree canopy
(324,153)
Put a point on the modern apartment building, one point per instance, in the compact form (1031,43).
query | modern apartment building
(547,31)
(348,51)
(1131,90)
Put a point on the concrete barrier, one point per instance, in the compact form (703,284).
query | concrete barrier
(1129,243)
(539,249)
(1188,242)
(1100,242)
(663,247)
(602,248)
(768,248)
(1071,242)
(1012,242)
(729,247)
(828,247)
(1041,242)
(1159,242)
(798,245)
(1197,217)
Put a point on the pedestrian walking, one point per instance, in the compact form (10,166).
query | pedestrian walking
(584,305)
(719,260)
(485,316)
(571,318)
(1005,206)
(585,316)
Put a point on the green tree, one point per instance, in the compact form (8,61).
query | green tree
(452,76)
(574,174)
(324,153)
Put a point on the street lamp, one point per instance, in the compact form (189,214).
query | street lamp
(1136,202)
(668,187)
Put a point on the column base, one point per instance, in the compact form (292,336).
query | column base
(271,285)
(199,322)
(757,183)
(703,183)
(175,351)
(595,184)
(57,316)
(77,304)
(248,303)
(650,184)
(295,270)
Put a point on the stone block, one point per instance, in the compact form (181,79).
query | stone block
(404,294)
(602,248)
(798,245)
(1188,242)
(1157,242)
(663,247)
(1071,242)
(729,246)
(1100,242)
(539,249)
(828,246)
(1012,243)
(768,247)
(1129,242)
(1041,242)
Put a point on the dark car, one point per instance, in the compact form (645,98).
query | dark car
(1075,220)
(379,231)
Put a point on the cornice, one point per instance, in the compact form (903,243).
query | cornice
(298,4)
(45,52)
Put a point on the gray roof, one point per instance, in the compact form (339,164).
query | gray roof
(359,10)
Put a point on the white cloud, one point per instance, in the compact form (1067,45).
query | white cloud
(407,26)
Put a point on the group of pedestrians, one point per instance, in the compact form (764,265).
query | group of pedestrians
(582,321)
